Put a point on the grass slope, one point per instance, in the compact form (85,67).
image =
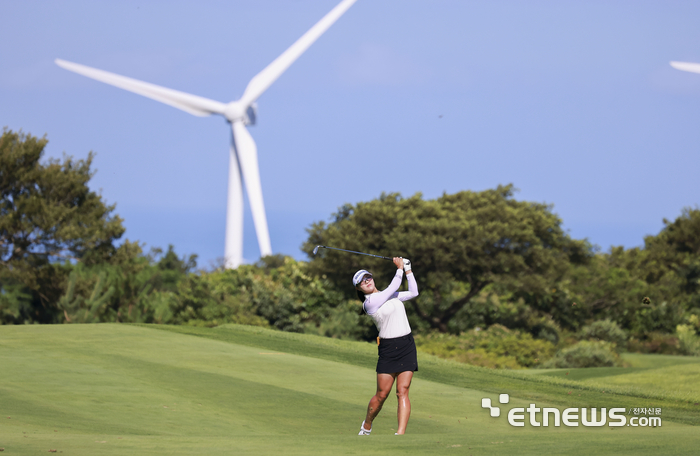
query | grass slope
(676,378)
(118,389)
(555,388)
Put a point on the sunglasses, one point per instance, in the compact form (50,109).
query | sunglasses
(365,279)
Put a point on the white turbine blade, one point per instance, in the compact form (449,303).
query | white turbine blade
(233,252)
(198,106)
(248,159)
(686,66)
(266,77)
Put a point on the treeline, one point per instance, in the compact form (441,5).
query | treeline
(60,262)
(482,260)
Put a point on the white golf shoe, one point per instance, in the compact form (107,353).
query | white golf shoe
(364,431)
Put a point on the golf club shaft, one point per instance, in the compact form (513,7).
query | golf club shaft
(351,251)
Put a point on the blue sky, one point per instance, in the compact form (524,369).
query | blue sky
(572,102)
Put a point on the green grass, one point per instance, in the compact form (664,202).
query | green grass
(674,378)
(152,390)
(553,387)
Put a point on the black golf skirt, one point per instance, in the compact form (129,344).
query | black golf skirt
(397,355)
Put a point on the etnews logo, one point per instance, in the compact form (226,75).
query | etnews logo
(572,417)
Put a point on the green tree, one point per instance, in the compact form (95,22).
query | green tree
(48,216)
(459,244)
(614,286)
(80,310)
(129,287)
(645,290)
(676,249)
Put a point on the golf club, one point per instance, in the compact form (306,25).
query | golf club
(350,251)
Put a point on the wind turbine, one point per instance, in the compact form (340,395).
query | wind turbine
(243,162)
(686,66)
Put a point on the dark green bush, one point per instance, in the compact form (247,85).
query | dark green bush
(585,354)
(497,347)
(654,342)
(605,330)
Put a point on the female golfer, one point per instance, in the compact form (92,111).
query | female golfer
(397,350)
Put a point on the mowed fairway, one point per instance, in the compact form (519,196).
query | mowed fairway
(676,377)
(120,389)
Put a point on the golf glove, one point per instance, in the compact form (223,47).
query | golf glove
(406,264)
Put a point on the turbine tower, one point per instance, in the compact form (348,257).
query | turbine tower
(243,161)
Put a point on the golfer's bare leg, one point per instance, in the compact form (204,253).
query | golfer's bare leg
(384,384)
(403,383)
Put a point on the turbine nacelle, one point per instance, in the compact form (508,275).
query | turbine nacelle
(236,111)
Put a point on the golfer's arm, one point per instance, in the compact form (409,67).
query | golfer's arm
(376,300)
(412,289)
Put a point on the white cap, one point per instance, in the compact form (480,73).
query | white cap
(357,278)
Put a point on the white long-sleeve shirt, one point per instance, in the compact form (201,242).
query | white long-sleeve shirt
(386,307)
